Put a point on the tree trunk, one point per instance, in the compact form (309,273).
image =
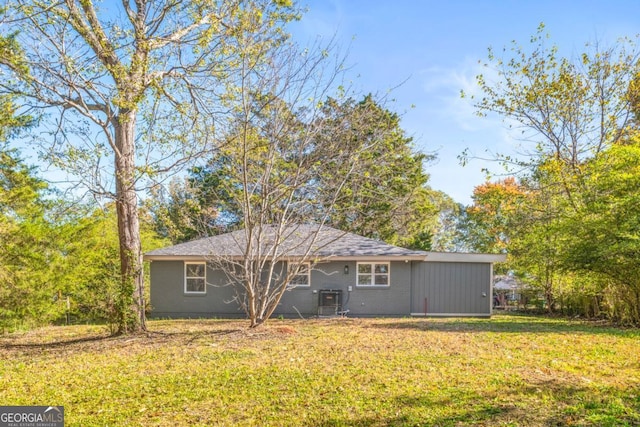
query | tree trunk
(130,309)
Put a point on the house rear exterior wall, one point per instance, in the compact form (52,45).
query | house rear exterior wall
(451,288)
(168,298)
(392,300)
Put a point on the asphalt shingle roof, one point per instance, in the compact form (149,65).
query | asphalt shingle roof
(296,241)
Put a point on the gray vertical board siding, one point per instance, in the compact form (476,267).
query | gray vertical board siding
(168,298)
(451,288)
(393,300)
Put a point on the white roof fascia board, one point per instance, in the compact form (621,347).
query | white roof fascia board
(451,314)
(464,257)
(363,258)
(187,258)
(429,257)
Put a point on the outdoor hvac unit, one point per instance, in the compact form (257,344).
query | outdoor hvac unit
(329,302)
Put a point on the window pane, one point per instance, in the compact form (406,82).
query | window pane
(364,268)
(195,270)
(300,280)
(382,279)
(382,268)
(364,279)
(195,285)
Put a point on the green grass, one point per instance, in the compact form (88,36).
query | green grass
(505,371)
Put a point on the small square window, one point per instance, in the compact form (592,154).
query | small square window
(373,274)
(302,278)
(195,285)
(195,278)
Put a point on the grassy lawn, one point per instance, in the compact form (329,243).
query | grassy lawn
(505,371)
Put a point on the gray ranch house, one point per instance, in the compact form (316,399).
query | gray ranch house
(349,274)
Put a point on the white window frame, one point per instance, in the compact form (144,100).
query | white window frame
(307,273)
(186,290)
(373,274)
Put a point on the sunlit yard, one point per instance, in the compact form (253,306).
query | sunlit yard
(509,370)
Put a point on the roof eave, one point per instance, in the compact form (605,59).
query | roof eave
(464,257)
(186,257)
(429,257)
(361,258)
(376,258)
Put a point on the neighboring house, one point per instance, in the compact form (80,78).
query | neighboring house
(511,293)
(351,274)
(505,290)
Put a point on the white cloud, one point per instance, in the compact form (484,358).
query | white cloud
(443,88)
(324,22)
(450,124)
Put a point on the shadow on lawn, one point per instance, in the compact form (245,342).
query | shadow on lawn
(563,404)
(189,337)
(416,411)
(508,325)
(98,342)
(57,344)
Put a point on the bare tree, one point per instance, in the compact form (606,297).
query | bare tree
(276,159)
(137,85)
(567,110)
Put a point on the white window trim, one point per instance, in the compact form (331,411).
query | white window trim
(308,285)
(195,277)
(373,267)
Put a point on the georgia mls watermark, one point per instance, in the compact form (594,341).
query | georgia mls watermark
(31,416)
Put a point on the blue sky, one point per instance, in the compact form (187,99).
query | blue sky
(432,48)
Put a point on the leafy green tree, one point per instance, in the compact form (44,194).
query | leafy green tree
(566,111)
(524,218)
(286,162)
(180,212)
(451,227)
(89,277)
(26,253)
(199,205)
(570,109)
(387,199)
(54,250)
(603,238)
(10,120)
(572,114)
(491,218)
(138,86)
(536,236)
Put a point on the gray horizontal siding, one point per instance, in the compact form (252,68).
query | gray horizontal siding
(393,300)
(168,298)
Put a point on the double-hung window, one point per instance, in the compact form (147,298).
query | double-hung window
(195,278)
(302,278)
(373,274)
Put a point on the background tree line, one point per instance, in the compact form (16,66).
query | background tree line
(59,250)
(388,199)
(59,258)
(268,134)
(154,87)
(567,216)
